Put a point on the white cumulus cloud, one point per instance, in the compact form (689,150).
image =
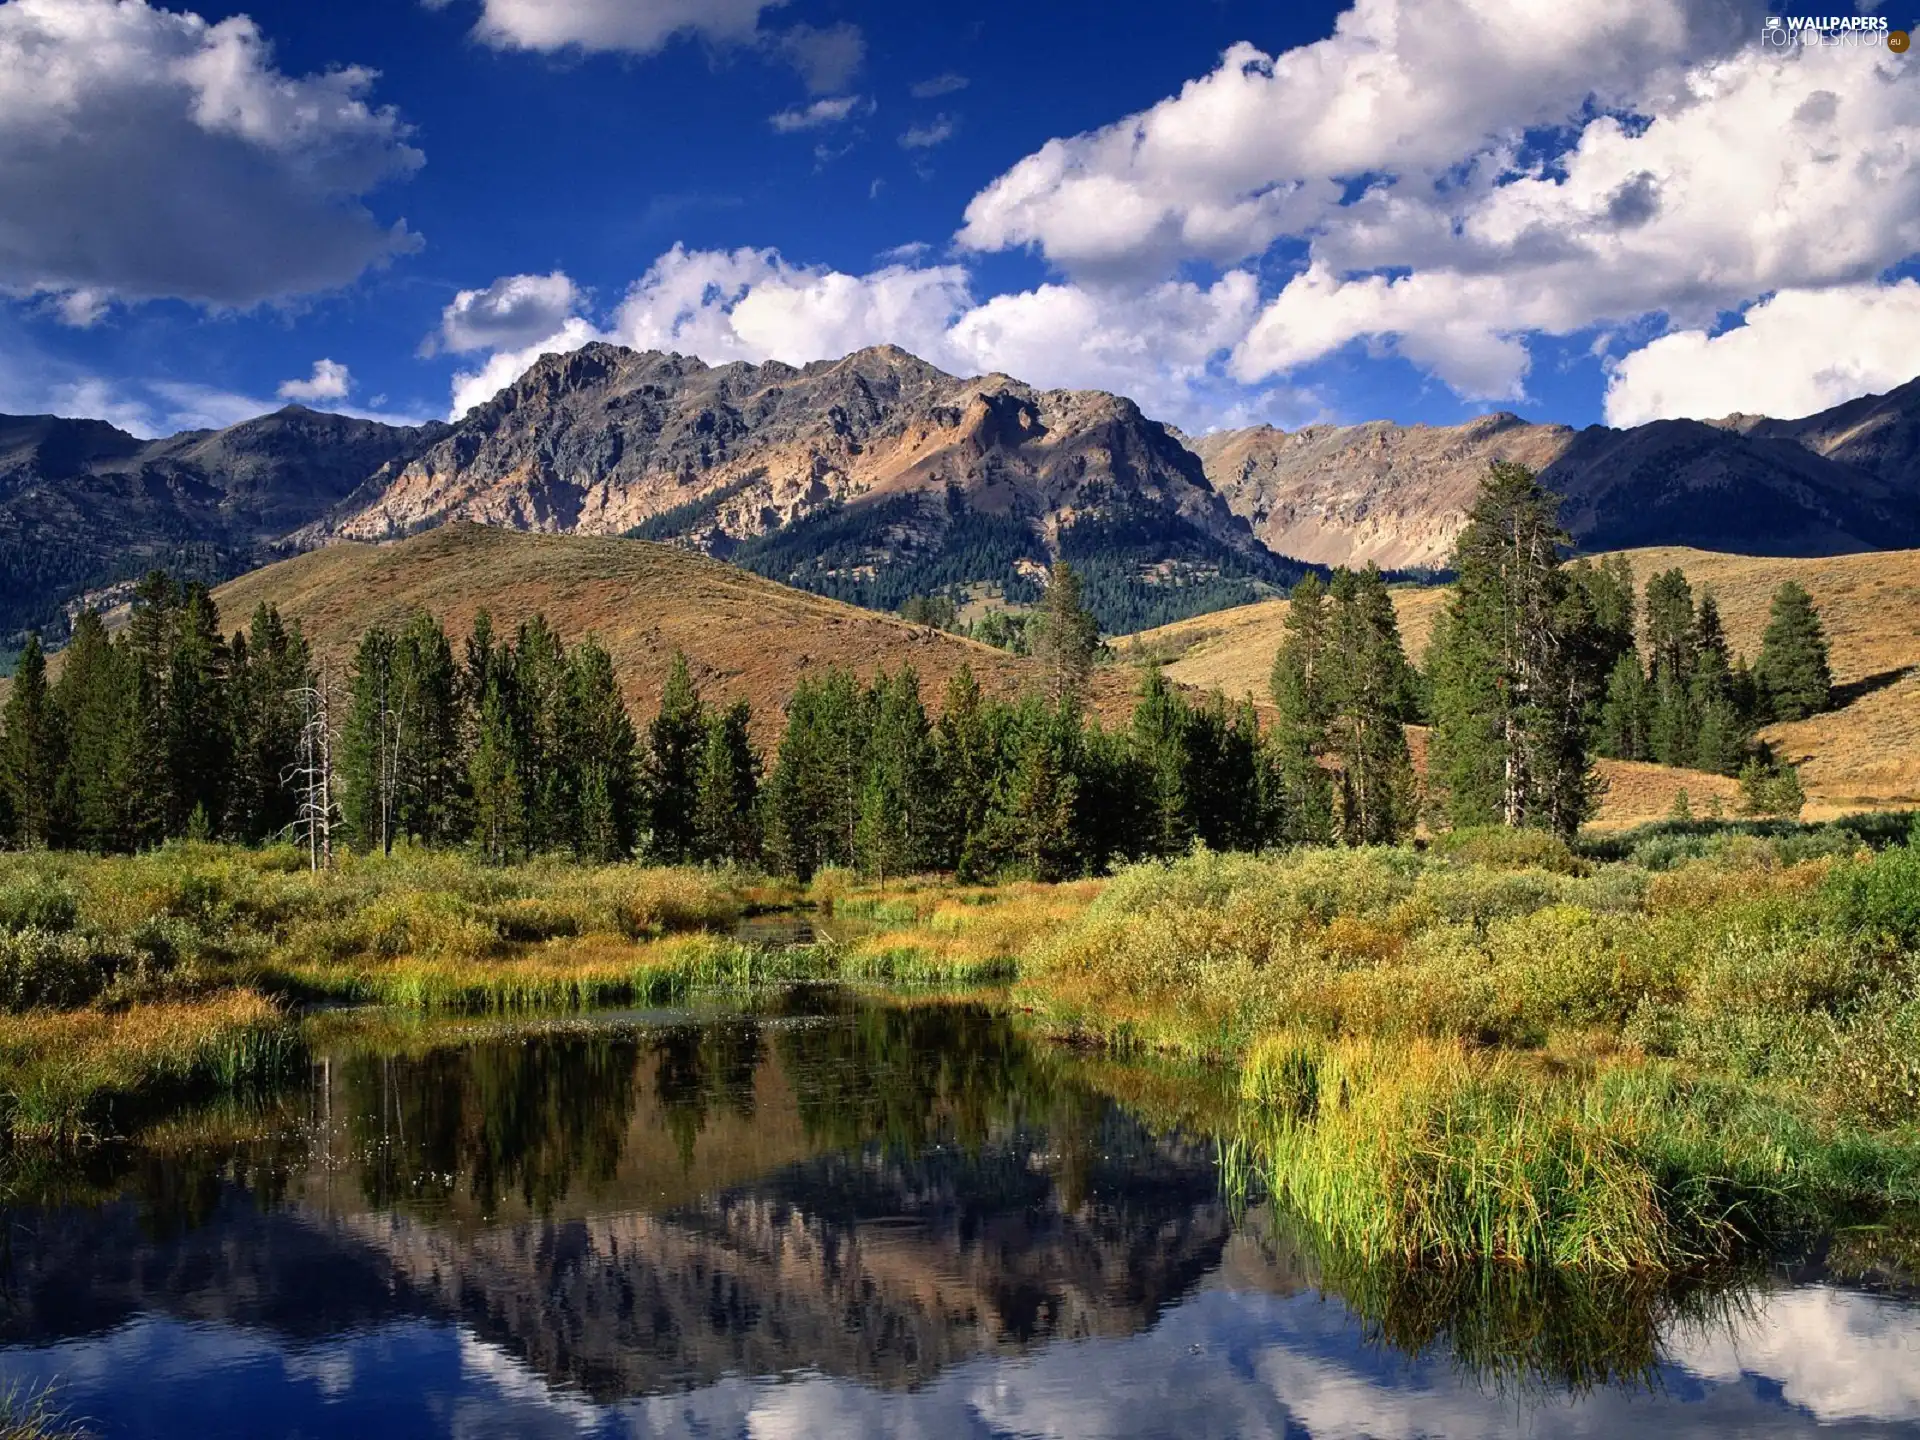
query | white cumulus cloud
(818,116)
(1446,179)
(330,381)
(638,27)
(148,153)
(1164,347)
(827,57)
(936,131)
(1795,353)
(513,311)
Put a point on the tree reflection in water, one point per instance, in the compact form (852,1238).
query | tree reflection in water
(861,1188)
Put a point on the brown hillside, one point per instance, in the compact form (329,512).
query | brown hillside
(747,638)
(1865,753)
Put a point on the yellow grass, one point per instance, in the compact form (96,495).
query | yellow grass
(1864,755)
(747,638)
(64,1074)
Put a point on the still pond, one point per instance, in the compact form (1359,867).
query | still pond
(829,1215)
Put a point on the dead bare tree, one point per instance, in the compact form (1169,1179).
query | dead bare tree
(311,774)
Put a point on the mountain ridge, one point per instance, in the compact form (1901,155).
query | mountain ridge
(877,476)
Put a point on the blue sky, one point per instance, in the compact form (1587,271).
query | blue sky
(1408,209)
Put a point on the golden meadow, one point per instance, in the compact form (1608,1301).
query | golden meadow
(1683,1049)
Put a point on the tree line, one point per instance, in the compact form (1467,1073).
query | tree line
(516,745)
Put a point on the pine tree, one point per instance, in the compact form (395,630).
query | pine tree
(370,744)
(493,769)
(1671,638)
(1299,735)
(815,791)
(96,700)
(198,725)
(967,750)
(540,717)
(271,667)
(674,743)
(1720,732)
(1226,791)
(1161,760)
(1035,823)
(1626,717)
(1365,684)
(1792,673)
(428,803)
(726,809)
(1064,635)
(899,804)
(601,756)
(1672,645)
(33,754)
(1509,741)
(150,800)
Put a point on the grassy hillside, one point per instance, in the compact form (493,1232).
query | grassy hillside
(747,638)
(1864,753)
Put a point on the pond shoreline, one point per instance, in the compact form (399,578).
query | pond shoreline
(1441,1059)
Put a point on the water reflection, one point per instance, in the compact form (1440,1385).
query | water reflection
(830,1217)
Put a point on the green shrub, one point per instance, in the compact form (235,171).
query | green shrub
(1495,847)
(43,970)
(1878,899)
(1876,1073)
(37,902)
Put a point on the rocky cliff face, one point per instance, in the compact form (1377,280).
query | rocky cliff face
(603,440)
(1845,480)
(1348,494)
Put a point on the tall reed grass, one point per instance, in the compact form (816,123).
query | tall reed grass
(1498,1052)
(86,1073)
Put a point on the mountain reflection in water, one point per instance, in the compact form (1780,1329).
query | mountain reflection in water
(833,1217)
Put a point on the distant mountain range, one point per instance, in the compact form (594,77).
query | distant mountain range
(1842,481)
(877,477)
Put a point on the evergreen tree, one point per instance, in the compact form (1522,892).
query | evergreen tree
(1626,717)
(967,750)
(1064,635)
(1672,643)
(1227,793)
(1771,789)
(1671,637)
(198,725)
(1035,820)
(726,810)
(150,800)
(601,756)
(540,713)
(815,791)
(33,754)
(493,765)
(97,702)
(1109,807)
(1161,761)
(1720,731)
(1299,735)
(1365,687)
(899,804)
(1792,673)
(1509,741)
(428,800)
(674,744)
(370,744)
(271,666)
